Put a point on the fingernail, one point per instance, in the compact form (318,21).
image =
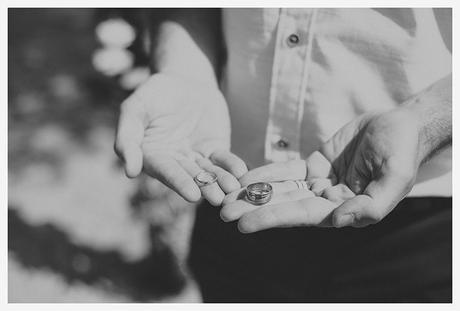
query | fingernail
(344,220)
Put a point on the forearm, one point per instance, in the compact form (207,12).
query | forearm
(186,42)
(433,109)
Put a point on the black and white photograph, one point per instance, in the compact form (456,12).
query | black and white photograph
(189,155)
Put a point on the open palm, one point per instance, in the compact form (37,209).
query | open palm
(169,127)
(377,156)
(183,117)
(360,174)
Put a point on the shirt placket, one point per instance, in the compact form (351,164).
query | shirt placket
(288,85)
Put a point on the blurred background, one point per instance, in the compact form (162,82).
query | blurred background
(78,229)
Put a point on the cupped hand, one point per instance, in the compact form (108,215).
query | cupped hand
(377,156)
(173,128)
(361,174)
(289,206)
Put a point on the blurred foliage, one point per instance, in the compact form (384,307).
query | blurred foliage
(52,82)
(57,105)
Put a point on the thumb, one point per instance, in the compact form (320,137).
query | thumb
(378,199)
(130,133)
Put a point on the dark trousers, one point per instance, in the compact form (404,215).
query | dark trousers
(407,257)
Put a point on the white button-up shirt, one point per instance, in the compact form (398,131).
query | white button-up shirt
(296,76)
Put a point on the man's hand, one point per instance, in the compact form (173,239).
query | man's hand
(377,156)
(374,161)
(289,206)
(174,127)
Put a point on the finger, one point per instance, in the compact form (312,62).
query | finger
(130,133)
(313,211)
(338,193)
(288,186)
(227,181)
(379,199)
(229,162)
(166,169)
(212,192)
(290,170)
(233,196)
(318,185)
(318,166)
(238,208)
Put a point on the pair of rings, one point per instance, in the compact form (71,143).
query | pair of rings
(257,193)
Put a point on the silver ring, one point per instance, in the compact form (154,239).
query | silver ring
(259,193)
(302,184)
(205,178)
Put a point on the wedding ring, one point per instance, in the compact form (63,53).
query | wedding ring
(205,178)
(302,184)
(259,193)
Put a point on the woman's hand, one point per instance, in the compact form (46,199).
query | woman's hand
(172,128)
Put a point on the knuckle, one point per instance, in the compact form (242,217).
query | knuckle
(319,186)
(328,192)
(343,189)
(344,193)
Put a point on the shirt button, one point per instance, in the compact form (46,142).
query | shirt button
(282,143)
(293,40)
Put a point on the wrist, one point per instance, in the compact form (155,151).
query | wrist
(432,108)
(178,54)
(183,83)
(416,121)
(205,81)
